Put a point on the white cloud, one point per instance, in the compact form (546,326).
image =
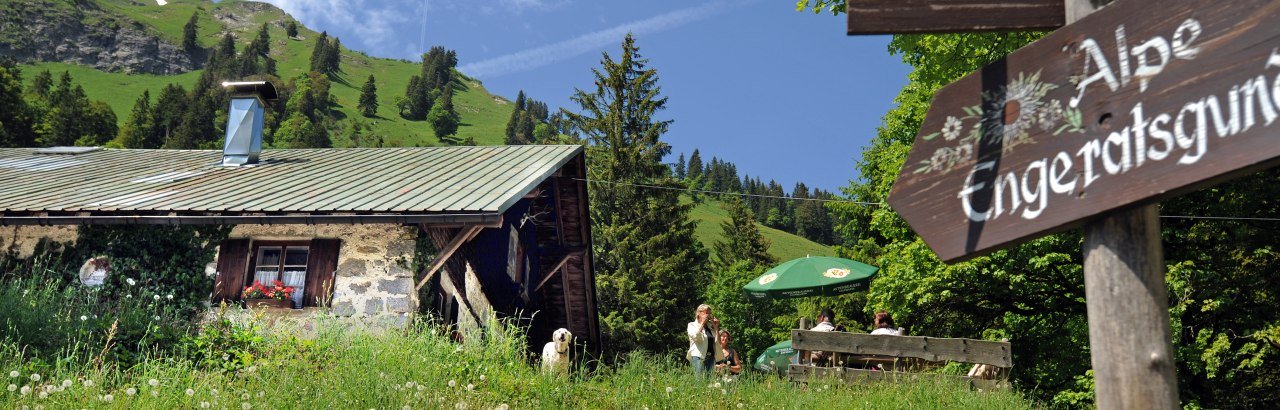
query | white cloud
(520,6)
(373,22)
(551,53)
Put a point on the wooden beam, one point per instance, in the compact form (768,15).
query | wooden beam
(928,348)
(552,273)
(466,234)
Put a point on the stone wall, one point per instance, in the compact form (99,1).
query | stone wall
(373,279)
(22,240)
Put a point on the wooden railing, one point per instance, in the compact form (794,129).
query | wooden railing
(878,348)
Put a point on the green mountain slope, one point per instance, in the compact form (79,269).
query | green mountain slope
(484,115)
(783,245)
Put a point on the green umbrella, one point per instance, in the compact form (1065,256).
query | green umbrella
(776,358)
(811,276)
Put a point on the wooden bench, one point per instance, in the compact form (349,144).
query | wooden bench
(896,354)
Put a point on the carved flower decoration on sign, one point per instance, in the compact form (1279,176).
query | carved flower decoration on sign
(1006,117)
(769,278)
(1009,111)
(836,273)
(952,129)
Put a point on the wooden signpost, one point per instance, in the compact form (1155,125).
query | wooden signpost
(1092,125)
(1142,101)
(932,16)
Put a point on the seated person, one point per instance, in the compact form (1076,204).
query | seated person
(825,319)
(883,324)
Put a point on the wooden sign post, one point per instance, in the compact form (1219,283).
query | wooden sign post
(1091,126)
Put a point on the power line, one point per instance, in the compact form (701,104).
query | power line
(843,201)
(1226,218)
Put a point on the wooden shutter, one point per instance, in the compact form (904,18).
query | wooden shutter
(233,261)
(321,266)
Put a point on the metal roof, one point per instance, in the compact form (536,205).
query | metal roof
(310,181)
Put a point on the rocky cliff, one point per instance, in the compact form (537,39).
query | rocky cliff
(79,32)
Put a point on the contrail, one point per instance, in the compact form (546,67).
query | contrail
(422,39)
(551,53)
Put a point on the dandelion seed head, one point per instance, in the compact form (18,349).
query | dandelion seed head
(204,404)
(169,296)
(14,373)
(35,377)
(470,387)
(155,393)
(66,383)
(670,389)
(716,385)
(130,391)
(13,387)
(482,377)
(245,406)
(453,383)
(130,281)
(156,297)
(190,392)
(723,392)
(462,405)
(88,383)
(153,382)
(25,390)
(502,406)
(108,398)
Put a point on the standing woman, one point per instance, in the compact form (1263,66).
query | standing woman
(702,340)
(730,362)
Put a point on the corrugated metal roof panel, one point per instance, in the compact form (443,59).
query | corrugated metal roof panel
(417,180)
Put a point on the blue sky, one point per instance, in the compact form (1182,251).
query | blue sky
(782,94)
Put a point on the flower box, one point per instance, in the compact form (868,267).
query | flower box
(269,303)
(275,296)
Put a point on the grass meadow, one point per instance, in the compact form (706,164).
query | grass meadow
(137,353)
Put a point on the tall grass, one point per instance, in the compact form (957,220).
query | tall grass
(346,366)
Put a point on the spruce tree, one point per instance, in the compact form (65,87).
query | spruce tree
(649,265)
(513,123)
(741,240)
(695,164)
(189,32)
(320,52)
(42,85)
(15,114)
(368,105)
(291,28)
(167,113)
(679,171)
(137,130)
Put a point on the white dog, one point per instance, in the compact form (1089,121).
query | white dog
(555,354)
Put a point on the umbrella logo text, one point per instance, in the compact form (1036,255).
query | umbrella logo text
(836,273)
(769,278)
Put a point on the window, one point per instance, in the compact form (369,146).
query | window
(282,261)
(307,265)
